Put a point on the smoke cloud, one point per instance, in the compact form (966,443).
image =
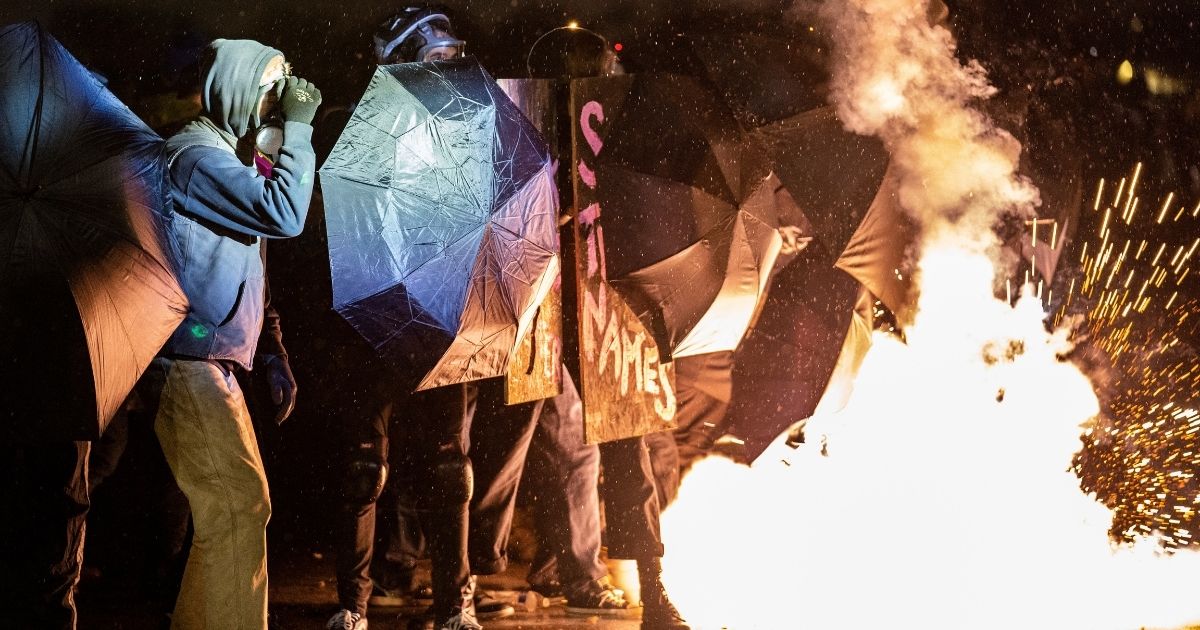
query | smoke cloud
(895,75)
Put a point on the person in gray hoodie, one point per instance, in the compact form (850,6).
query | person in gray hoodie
(240,173)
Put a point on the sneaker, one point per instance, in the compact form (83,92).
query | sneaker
(598,597)
(346,620)
(382,597)
(460,619)
(488,607)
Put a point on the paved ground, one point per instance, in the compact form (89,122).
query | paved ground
(303,597)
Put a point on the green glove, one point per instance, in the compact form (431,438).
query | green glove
(299,100)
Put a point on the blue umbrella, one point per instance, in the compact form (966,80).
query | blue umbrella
(441,214)
(88,292)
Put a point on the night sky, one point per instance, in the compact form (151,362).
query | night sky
(142,45)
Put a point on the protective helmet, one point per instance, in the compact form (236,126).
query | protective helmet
(413,32)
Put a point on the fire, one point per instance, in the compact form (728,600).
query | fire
(946,498)
(942,496)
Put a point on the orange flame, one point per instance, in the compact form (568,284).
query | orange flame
(946,500)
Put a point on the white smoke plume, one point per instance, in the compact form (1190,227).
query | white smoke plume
(895,75)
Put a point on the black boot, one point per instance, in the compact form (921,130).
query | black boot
(658,613)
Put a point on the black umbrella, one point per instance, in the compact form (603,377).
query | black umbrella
(841,183)
(442,214)
(691,214)
(88,293)
(775,88)
(784,365)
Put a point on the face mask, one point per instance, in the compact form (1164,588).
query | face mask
(268,137)
(268,140)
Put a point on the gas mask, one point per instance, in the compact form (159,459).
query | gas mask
(268,130)
(268,140)
(417,34)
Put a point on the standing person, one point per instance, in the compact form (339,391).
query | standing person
(43,480)
(231,187)
(564,472)
(451,458)
(563,498)
(630,492)
(455,453)
(633,530)
(45,358)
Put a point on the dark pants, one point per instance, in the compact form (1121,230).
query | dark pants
(422,429)
(399,538)
(106,453)
(498,443)
(564,497)
(663,451)
(163,517)
(566,510)
(703,387)
(44,489)
(434,412)
(631,507)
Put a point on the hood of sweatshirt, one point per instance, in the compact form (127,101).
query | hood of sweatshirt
(230,74)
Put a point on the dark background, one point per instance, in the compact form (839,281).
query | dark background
(142,45)
(1060,58)
(1070,48)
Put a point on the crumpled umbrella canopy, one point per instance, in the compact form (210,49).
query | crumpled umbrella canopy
(691,214)
(841,183)
(774,87)
(879,251)
(441,214)
(833,174)
(88,292)
(783,367)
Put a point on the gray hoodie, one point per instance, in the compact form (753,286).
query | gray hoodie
(224,208)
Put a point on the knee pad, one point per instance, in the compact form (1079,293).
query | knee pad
(452,479)
(364,481)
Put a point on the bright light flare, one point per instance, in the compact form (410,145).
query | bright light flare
(946,500)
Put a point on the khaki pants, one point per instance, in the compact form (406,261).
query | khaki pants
(206,435)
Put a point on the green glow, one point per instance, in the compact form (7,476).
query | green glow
(199,331)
